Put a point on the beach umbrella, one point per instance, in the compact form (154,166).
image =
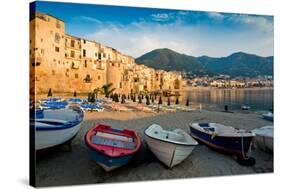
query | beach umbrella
(134,98)
(160,100)
(177,100)
(50,93)
(140,101)
(89,97)
(169,101)
(93,99)
(147,100)
(187,102)
(123,99)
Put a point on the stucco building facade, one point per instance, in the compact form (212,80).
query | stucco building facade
(67,63)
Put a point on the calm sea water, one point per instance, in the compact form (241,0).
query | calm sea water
(258,99)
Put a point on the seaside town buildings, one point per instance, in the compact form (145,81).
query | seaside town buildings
(67,63)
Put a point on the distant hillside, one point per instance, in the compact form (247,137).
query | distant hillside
(168,60)
(237,64)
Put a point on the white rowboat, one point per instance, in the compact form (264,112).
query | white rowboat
(264,138)
(170,147)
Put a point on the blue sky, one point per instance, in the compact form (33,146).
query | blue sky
(135,31)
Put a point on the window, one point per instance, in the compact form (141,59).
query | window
(42,51)
(72,43)
(57,49)
(41,39)
(98,77)
(72,54)
(84,52)
(85,64)
(99,56)
(88,79)
(76,75)
(84,41)
(35,64)
(104,55)
(57,38)
(58,24)
(96,54)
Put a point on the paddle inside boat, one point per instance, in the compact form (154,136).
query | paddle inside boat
(55,127)
(112,148)
(226,139)
(170,147)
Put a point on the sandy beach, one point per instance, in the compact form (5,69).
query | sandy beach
(64,166)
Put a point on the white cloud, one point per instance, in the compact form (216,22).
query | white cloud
(142,36)
(215,15)
(89,19)
(161,17)
(260,22)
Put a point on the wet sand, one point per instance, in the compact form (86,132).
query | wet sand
(63,166)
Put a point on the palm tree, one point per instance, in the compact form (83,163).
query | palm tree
(106,89)
(96,91)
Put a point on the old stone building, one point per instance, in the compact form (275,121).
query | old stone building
(67,63)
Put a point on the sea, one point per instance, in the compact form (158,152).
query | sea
(259,99)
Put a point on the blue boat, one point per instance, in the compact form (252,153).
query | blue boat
(225,139)
(54,105)
(91,107)
(268,116)
(112,148)
(76,100)
(51,99)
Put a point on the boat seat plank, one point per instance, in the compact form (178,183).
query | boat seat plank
(113,143)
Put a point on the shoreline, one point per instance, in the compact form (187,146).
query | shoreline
(76,167)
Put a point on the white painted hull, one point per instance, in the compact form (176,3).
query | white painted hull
(50,138)
(168,153)
(264,143)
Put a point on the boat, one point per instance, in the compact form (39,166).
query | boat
(110,147)
(244,107)
(91,107)
(51,99)
(170,147)
(53,105)
(55,127)
(223,138)
(268,116)
(264,138)
(76,100)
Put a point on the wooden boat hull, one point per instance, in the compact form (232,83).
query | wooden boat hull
(169,153)
(112,148)
(267,117)
(109,163)
(50,138)
(229,145)
(264,143)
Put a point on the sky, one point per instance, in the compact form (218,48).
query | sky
(136,31)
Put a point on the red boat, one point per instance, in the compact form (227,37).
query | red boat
(112,148)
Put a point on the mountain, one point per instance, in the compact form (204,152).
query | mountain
(237,64)
(169,60)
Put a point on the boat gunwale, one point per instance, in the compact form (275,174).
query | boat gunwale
(89,135)
(222,136)
(171,142)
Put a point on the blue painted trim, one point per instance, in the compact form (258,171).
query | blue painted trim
(229,143)
(109,161)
